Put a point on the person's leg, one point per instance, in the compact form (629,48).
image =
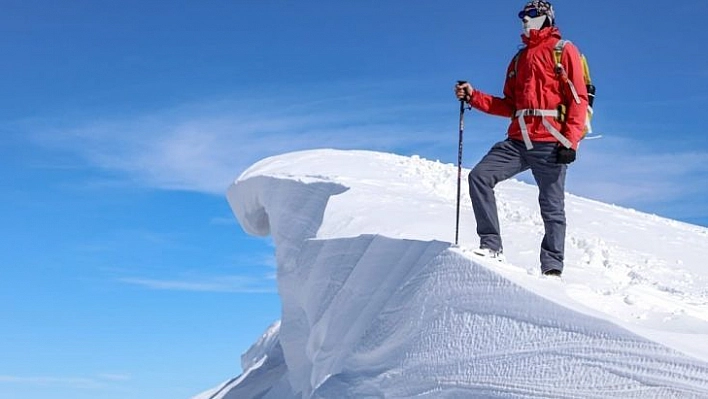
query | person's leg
(550,178)
(503,161)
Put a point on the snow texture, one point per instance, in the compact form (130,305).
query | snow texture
(377,303)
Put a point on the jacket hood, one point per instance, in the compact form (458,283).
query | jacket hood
(537,37)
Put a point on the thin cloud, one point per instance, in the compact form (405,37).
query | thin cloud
(256,273)
(100,381)
(204,147)
(624,171)
(69,382)
(223,221)
(227,284)
(115,377)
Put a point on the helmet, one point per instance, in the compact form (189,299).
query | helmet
(537,8)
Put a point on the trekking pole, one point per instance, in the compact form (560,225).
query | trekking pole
(459,162)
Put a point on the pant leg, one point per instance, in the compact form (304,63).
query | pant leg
(550,178)
(503,161)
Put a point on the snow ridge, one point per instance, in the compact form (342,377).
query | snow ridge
(376,303)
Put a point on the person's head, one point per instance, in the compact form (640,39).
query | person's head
(536,15)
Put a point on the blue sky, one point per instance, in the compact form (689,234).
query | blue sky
(124,273)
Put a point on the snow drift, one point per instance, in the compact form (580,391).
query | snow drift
(377,304)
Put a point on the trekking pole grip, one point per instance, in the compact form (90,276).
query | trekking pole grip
(468,95)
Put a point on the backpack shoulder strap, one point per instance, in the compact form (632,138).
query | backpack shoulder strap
(558,53)
(558,50)
(560,70)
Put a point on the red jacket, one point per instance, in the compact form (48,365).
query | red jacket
(535,85)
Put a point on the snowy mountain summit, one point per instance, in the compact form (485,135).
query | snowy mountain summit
(377,303)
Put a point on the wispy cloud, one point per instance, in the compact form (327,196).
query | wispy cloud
(244,271)
(233,284)
(620,170)
(223,221)
(115,376)
(70,382)
(118,240)
(203,147)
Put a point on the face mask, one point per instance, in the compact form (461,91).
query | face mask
(528,24)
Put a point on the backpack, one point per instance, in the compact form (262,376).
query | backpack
(562,75)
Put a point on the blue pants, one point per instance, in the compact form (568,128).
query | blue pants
(509,158)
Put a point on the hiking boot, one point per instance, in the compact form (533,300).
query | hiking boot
(490,254)
(552,273)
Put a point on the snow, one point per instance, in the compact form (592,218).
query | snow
(378,303)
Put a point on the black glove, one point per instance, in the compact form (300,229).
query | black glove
(565,155)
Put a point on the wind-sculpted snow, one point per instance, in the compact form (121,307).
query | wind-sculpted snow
(377,304)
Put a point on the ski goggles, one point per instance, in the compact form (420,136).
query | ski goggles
(531,13)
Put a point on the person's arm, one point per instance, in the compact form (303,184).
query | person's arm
(497,105)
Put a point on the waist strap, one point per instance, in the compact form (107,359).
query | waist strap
(543,113)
